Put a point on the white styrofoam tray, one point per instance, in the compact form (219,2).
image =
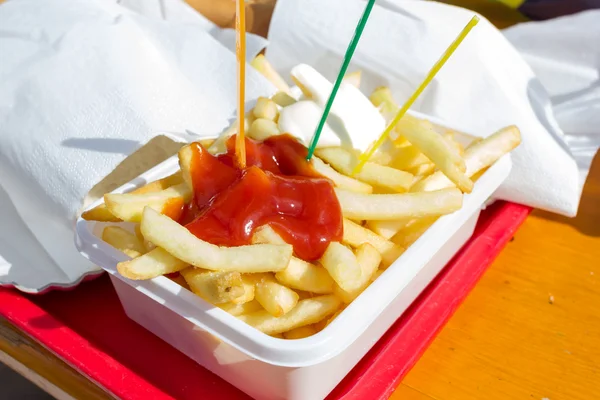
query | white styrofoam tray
(269,368)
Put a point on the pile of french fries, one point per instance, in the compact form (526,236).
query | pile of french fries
(418,176)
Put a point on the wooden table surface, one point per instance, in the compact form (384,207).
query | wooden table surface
(529,330)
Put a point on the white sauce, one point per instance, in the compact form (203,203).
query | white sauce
(353,120)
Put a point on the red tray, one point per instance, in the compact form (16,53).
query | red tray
(88,329)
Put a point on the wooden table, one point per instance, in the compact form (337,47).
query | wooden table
(529,330)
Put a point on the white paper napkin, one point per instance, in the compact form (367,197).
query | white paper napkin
(564,53)
(486,84)
(84,83)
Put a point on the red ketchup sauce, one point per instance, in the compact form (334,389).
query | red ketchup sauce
(278,187)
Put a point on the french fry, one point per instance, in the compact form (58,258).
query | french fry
(421,134)
(265,108)
(161,184)
(239,309)
(340,180)
(319,326)
(138,233)
(382,96)
(150,265)
(178,241)
(387,229)
(147,245)
(412,231)
(422,171)
(358,206)
(353,78)
(129,207)
(383,155)
(334,316)
(478,175)
(266,234)
(377,274)
(186,155)
(383,99)
(478,156)
(216,287)
(299,274)
(306,312)
(283,99)
(371,173)
(355,235)
(300,333)
(304,295)
(407,157)
(277,299)
(449,137)
(248,282)
(368,259)
(303,275)
(101,212)
(123,240)
(219,145)
(206,143)
(322,324)
(342,265)
(263,66)
(262,129)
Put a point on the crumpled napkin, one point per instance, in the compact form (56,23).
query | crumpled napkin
(564,54)
(83,84)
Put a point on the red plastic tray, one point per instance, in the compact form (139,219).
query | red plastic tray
(88,329)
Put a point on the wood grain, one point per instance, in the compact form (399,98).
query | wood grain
(531,327)
(43,368)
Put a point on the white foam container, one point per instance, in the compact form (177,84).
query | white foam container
(269,368)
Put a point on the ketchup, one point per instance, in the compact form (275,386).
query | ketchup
(278,187)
